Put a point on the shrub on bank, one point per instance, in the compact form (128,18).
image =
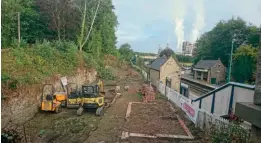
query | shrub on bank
(27,65)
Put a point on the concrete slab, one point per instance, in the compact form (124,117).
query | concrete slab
(249,112)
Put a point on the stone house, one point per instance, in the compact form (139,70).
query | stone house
(211,71)
(167,71)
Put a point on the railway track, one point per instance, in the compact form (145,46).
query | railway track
(197,87)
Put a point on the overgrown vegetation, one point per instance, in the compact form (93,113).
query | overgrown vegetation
(126,52)
(32,65)
(184,59)
(50,33)
(244,59)
(230,133)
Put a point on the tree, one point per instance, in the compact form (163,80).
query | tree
(65,20)
(126,51)
(167,52)
(244,63)
(217,42)
(184,59)
(62,17)
(101,17)
(10,10)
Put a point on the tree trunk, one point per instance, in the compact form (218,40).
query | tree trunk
(80,38)
(257,94)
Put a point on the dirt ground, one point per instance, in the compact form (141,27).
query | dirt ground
(67,127)
(154,119)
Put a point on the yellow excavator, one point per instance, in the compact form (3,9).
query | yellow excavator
(92,97)
(48,99)
(74,98)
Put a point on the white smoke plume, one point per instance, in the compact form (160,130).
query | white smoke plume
(179,30)
(199,22)
(179,14)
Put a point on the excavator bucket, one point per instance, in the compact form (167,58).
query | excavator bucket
(79,111)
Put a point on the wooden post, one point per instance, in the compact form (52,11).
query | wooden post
(18,24)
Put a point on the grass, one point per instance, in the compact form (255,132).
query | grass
(139,95)
(33,64)
(159,96)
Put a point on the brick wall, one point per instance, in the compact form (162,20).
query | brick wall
(171,68)
(221,75)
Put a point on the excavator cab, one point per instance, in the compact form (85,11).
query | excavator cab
(74,98)
(92,98)
(48,99)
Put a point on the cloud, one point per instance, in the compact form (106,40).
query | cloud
(145,24)
(130,32)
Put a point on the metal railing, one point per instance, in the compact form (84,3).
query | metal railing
(221,100)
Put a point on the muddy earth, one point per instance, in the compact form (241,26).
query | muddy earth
(67,127)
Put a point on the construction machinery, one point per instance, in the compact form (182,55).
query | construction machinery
(48,99)
(92,97)
(62,96)
(74,98)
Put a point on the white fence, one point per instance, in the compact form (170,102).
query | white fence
(179,100)
(201,118)
(213,124)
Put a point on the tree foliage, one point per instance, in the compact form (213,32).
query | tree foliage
(167,52)
(51,28)
(244,63)
(184,59)
(61,20)
(126,51)
(217,42)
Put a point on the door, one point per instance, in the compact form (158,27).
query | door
(213,80)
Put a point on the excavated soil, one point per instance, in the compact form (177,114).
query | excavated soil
(154,119)
(67,127)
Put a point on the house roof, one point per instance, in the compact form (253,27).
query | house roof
(158,62)
(205,64)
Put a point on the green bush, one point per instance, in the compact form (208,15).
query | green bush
(32,65)
(23,43)
(105,74)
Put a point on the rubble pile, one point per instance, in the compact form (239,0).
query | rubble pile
(148,93)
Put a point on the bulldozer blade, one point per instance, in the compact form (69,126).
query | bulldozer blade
(100,111)
(79,111)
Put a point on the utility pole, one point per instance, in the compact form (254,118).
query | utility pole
(230,62)
(18,21)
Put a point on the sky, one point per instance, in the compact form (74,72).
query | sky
(148,24)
